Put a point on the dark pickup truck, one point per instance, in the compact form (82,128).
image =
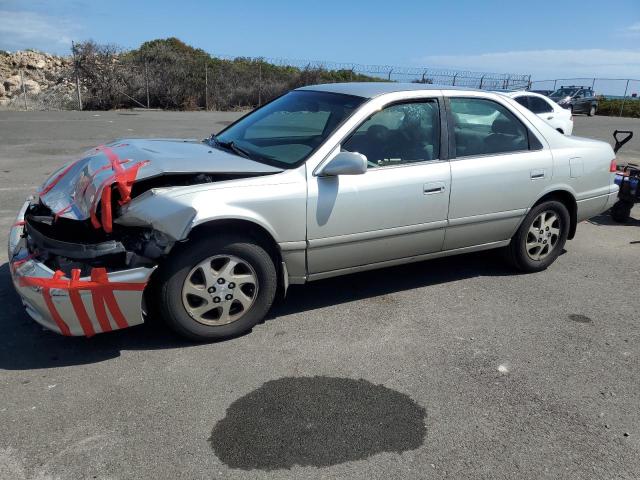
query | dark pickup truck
(577,99)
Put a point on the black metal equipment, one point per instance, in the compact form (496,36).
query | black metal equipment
(628,179)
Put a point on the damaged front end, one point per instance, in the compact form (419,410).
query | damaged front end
(79,280)
(80,256)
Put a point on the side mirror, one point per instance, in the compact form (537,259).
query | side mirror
(344,163)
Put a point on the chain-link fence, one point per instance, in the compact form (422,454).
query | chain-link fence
(228,83)
(99,77)
(170,75)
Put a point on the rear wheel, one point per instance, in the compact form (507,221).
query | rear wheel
(541,237)
(217,289)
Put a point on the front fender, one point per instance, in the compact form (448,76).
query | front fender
(172,216)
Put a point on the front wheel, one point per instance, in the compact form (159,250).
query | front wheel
(213,289)
(541,237)
(592,111)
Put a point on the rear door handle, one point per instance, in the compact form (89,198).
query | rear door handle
(537,174)
(550,118)
(433,188)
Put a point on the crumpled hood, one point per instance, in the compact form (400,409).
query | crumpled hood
(75,190)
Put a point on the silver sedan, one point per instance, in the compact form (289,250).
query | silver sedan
(325,180)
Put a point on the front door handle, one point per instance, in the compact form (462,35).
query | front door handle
(433,188)
(550,118)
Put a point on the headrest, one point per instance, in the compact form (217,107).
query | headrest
(504,126)
(379,132)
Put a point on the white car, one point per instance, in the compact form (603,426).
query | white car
(559,118)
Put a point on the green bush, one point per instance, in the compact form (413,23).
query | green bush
(612,107)
(173,74)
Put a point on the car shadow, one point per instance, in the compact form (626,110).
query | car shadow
(25,345)
(375,283)
(605,219)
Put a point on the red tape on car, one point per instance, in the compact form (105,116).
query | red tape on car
(123,178)
(58,177)
(102,294)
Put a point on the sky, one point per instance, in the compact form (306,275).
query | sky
(546,39)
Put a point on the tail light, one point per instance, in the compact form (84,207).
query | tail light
(613,167)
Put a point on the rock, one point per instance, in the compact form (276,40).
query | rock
(12,83)
(32,87)
(46,79)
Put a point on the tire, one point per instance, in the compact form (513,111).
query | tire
(621,211)
(183,287)
(592,111)
(530,251)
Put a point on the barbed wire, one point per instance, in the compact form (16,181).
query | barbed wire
(391,72)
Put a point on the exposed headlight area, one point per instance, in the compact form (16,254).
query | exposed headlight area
(65,244)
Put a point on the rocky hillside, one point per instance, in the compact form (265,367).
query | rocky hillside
(47,80)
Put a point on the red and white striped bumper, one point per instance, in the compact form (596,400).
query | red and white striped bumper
(75,305)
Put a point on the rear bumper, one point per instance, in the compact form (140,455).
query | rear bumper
(101,302)
(590,207)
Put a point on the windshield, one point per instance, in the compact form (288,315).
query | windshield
(564,92)
(286,131)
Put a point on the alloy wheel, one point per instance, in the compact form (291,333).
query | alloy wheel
(543,235)
(220,290)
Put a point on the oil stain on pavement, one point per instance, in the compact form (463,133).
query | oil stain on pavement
(316,421)
(579,318)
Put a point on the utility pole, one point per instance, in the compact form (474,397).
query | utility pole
(75,67)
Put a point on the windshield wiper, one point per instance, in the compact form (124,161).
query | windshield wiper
(231,145)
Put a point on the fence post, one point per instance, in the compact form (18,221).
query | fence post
(259,83)
(146,82)
(24,90)
(424,74)
(554,85)
(481,81)
(593,83)
(390,72)
(75,68)
(624,98)
(529,83)
(453,83)
(206,87)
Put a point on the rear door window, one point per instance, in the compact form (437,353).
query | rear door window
(523,100)
(484,127)
(539,105)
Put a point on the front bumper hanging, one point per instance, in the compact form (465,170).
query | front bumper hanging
(100,302)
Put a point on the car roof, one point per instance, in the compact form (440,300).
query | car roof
(374,89)
(519,93)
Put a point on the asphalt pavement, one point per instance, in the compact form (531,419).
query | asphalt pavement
(452,368)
